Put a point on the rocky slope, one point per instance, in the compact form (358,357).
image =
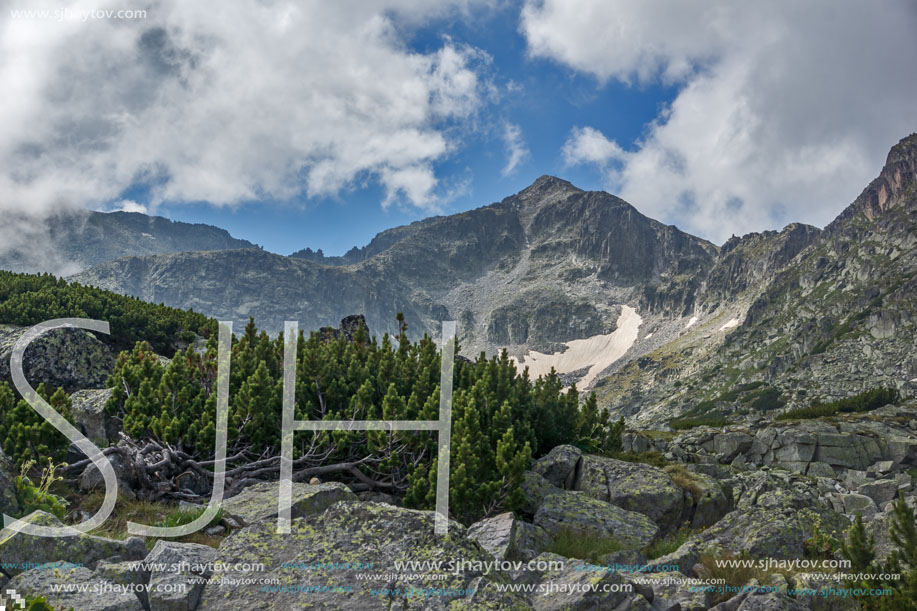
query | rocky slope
(71,241)
(817,314)
(760,488)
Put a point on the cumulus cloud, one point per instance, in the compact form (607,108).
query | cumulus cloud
(251,100)
(784,110)
(589,145)
(516,149)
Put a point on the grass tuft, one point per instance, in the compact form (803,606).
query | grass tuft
(571,543)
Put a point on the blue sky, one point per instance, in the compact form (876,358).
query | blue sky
(318,124)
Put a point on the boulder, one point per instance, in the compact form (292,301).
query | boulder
(535,489)
(580,513)
(880,491)
(855,478)
(18,549)
(91,478)
(178,585)
(859,504)
(258,503)
(531,540)
(821,469)
(730,444)
(902,450)
(497,535)
(775,489)
(634,487)
(75,588)
(329,551)
(709,501)
(842,450)
(559,466)
(669,590)
(635,442)
(808,593)
(882,467)
(90,418)
(131,574)
(762,527)
(572,589)
(794,446)
(72,358)
(760,601)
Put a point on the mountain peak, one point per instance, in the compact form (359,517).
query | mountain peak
(898,174)
(545,190)
(547,183)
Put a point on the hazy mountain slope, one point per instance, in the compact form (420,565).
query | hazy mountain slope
(236,284)
(75,240)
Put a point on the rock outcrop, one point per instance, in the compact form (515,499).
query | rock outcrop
(75,588)
(344,558)
(89,416)
(71,358)
(18,551)
(860,463)
(259,502)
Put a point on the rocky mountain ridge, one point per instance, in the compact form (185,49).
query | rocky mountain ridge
(555,264)
(73,240)
(548,265)
(832,317)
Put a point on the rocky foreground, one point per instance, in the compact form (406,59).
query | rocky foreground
(764,489)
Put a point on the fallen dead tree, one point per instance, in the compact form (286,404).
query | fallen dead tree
(154,470)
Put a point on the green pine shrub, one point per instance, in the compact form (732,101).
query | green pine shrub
(28,299)
(501,419)
(862,402)
(24,435)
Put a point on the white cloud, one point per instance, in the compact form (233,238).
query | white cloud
(784,111)
(588,145)
(516,149)
(248,100)
(128,205)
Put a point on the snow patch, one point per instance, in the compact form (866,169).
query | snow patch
(147,235)
(730,324)
(691,322)
(596,352)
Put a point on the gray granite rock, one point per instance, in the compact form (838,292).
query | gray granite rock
(634,487)
(179,576)
(20,549)
(329,550)
(559,466)
(75,588)
(258,503)
(576,512)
